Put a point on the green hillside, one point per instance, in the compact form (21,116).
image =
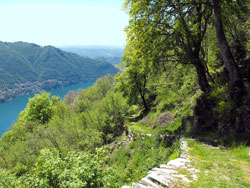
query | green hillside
(24,62)
(183,96)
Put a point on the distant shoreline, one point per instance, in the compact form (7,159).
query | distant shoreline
(33,87)
(9,110)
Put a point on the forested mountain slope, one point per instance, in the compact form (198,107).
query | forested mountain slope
(26,67)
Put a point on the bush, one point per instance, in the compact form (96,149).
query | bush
(77,169)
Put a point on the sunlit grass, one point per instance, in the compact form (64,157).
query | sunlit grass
(221,167)
(139,127)
(133,160)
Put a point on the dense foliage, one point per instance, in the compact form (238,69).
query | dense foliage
(209,37)
(53,144)
(185,71)
(76,169)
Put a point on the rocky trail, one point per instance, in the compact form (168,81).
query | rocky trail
(176,173)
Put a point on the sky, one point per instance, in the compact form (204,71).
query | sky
(63,22)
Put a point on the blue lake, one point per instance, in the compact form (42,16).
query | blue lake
(10,110)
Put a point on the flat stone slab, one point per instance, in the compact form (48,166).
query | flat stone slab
(179,162)
(148,182)
(182,177)
(167,167)
(138,185)
(164,171)
(165,180)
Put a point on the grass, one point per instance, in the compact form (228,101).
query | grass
(139,127)
(133,160)
(229,168)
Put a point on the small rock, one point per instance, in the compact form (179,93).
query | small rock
(179,162)
(194,170)
(194,177)
(182,177)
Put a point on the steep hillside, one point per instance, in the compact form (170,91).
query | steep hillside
(181,106)
(26,67)
(94,133)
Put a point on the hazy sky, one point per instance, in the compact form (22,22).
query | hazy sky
(63,22)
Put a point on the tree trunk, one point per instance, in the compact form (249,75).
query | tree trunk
(144,102)
(202,78)
(227,56)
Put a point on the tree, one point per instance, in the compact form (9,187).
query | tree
(227,56)
(39,108)
(170,32)
(134,80)
(104,85)
(69,97)
(109,115)
(95,93)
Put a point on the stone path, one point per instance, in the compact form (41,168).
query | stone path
(170,175)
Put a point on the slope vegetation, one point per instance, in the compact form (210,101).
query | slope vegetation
(23,66)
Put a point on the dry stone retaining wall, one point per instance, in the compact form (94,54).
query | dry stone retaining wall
(169,175)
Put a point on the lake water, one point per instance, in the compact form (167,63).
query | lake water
(10,110)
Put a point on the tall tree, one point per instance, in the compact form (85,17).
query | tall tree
(227,56)
(133,82)
(171,31)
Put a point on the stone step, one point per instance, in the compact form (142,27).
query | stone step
(179,162)
(138,185)
(167,174)
(165,180)
(182,177)
(163,166)
(164,171)
(148,182)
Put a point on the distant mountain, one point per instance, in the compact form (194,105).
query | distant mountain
(111,55)
(26,68)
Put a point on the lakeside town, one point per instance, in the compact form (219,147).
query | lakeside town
(28,88)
